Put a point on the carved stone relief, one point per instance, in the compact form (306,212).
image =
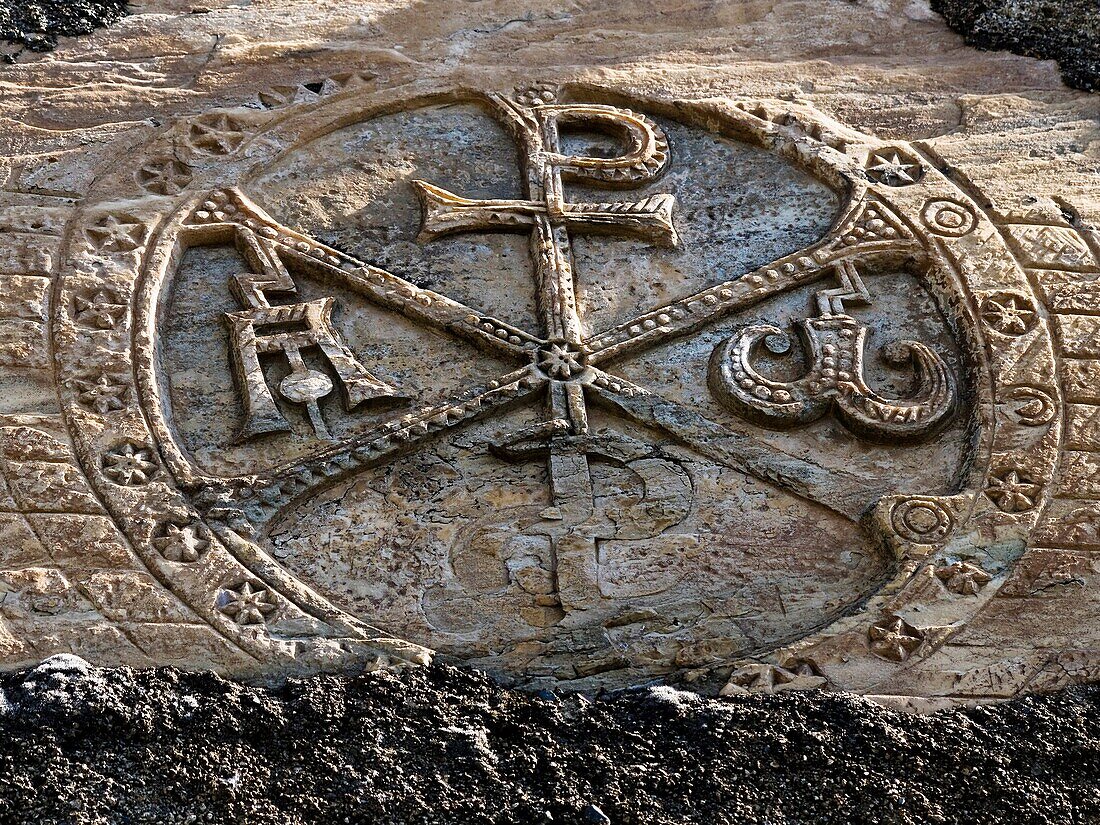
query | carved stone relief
(581,388)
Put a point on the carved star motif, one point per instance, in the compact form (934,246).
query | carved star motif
(891,168)
(963,578)
(248,604)
(559,361)
(177,543)
(101,309)
(101,393)
(1008,314)
(1013,492)
(894,639)
(217,135)
(115,234)
(165,177)
(129,465)
(755,677)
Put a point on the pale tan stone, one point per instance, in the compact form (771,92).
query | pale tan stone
(553,342)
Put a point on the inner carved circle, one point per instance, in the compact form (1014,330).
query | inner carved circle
(627,540)
(949,218)
(921,520)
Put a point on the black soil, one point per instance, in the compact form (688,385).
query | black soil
(442,745)
(1064,30)
(36,24)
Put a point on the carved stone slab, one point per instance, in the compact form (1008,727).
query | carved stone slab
(581,385)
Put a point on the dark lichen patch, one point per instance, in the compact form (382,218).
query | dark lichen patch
(1067,31)
(35,25)
(81,745)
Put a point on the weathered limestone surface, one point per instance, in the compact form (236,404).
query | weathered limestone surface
(748,343)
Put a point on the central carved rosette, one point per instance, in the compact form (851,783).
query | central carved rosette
(560,361)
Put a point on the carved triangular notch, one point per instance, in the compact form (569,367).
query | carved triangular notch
(875,222)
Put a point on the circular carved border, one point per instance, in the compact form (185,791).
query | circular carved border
(125,241)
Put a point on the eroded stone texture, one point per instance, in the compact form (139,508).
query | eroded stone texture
(762,376)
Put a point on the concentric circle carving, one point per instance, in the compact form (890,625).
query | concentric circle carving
(921,520)
(950,218)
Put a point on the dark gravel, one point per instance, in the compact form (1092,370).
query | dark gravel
(444,745)
(36,24)
(1064,30)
